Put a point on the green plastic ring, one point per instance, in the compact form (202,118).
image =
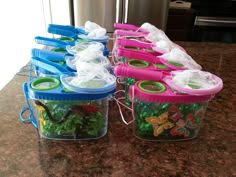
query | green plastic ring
(61,62)
(66,39)
(179,65)
(138,63)
(82,40)
(38,81)
(59,50)
(153,87)
(160,66)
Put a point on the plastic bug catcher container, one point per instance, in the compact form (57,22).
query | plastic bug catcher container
(172,110)
(62,114)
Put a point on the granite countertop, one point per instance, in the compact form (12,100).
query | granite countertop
(120,153)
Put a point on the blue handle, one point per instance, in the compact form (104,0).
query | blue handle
(64,27)
(66,30)
(23,109)
(49,65)
(48,55)
(30,118)
(53,42)
(62,32)
(22,118)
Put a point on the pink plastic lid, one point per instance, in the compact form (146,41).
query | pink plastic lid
(152,91)
(194,82)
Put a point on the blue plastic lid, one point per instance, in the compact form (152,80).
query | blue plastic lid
(80,46)
(103,39)
(50,88)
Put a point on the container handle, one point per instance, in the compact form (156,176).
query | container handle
(22,118)
(119,104)
(30,118)
(27,107)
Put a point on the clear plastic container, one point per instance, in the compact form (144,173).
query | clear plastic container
(67,120)
(163,114)
(168,121)
(61,114)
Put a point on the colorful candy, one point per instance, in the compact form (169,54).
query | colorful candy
(156,121)
(70,119)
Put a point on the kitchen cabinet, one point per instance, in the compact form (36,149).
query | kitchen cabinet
(180,24)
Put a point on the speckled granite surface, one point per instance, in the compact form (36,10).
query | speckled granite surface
(119,153)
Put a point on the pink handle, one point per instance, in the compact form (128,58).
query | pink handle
(137,54)
(125,26)
(133,43)
(129,27)
(129,33)
(139,73)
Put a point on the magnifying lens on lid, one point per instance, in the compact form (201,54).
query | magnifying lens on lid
(45,83)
